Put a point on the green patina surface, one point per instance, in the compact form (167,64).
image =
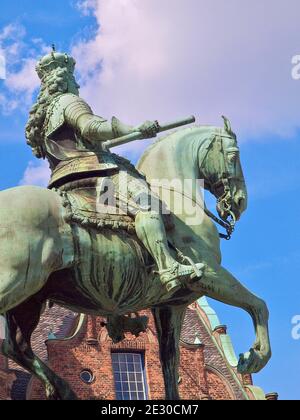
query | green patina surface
(60,244)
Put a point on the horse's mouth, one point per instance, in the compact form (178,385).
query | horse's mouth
(228,208)
(228,215)
(222,209)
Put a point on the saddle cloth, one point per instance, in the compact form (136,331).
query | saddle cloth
(81,200)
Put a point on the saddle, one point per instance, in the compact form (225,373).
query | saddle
(81,201)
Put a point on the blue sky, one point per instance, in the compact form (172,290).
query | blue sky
(137,63)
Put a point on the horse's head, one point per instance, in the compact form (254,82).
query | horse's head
(222,171)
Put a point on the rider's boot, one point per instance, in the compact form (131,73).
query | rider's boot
(151,231)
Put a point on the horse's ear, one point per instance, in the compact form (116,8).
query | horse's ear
(227,125)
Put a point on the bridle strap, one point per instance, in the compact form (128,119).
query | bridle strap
(226,225)
(224,181)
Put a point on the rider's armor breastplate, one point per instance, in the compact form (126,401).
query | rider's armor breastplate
(66,151)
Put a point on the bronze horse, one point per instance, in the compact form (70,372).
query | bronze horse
(109,273)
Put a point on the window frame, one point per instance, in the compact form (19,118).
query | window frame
(143,372)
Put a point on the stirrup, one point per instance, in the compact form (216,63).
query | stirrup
(197,271)
(177,272)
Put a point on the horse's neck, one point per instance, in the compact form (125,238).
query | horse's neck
(176,159)
(172,158)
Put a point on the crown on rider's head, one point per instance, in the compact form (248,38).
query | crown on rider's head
(53,61)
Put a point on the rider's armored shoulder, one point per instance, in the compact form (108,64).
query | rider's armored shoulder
(65,108)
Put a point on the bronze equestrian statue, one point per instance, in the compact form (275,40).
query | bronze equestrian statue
(100,241)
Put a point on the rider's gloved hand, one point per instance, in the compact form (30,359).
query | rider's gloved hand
(149,129)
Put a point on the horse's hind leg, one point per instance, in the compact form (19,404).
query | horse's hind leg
(219,284)
(168,321)
(21,322)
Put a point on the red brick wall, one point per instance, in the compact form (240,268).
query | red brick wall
(92,348)
(69,358)
(6,378)
(217,387)
(215,359)
(3,360)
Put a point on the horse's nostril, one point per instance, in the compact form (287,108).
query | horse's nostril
(242,203)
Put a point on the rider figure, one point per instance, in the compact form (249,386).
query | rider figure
(63,129)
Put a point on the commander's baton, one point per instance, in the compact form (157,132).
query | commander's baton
(139,136)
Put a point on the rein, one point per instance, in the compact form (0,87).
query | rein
(229,226)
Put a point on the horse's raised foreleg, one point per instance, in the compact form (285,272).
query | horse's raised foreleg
(21,322)
(219,284)
(168,321)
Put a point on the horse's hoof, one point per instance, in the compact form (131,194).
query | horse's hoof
(252,362)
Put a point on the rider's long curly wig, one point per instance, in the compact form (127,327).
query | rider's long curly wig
(55,83)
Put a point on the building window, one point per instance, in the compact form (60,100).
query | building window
(87,376)
(129,374)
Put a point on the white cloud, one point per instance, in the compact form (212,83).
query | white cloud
(86,6)
(25,80)
(12,42)
(2,65)
(21,78)
(152,60)
(36,173)
(12,30)
(148,60)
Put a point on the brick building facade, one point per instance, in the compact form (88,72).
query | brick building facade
(79,349)
(6,376)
